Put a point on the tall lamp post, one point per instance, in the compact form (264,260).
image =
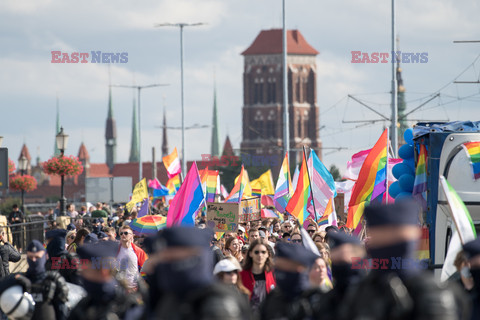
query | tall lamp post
(181,26)
(22,165)
(62,142)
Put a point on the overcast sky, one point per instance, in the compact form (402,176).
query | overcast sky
(29,82)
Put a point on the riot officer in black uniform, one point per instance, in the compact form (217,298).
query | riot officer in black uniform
(181,269)
(397,287)
(48,288)
(291,298)
(59,259)
(106,297)
(344,250)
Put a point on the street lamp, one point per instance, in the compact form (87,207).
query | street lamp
(139,88)
(181,26)
(22,165)
(62,142)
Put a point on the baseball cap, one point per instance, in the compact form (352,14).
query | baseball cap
(225,265)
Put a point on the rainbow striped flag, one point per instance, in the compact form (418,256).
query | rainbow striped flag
(371,183)
(187,200)
(256,192)
(238,190)
(298,203)
(423,250)
(420,185)
(209,180)
(173,184)
(172,163)
(473,151)
(284,188)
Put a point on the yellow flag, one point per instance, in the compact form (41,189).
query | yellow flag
(139,193)
(265,183)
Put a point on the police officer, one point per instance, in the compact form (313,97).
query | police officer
(48,288)
(290,299)
(106,297)
(344,250)
(472,251)
(60,259)
(397,287)
(181,269)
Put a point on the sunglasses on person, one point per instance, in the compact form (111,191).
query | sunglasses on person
(258,252)
(297,241)
(311,231)
(124,233)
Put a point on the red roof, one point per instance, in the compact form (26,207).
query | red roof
(99,170)
(83,153)
(270,42)
(24,152)
(227,148)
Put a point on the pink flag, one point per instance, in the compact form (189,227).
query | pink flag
(154,184)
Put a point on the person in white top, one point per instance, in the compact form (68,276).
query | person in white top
(127,259)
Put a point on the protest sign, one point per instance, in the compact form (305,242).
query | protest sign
(250,210)
(223,217)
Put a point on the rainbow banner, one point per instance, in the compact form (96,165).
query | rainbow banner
(297,206)
(172,163)
(256,192)
(238,190)
(187,200)
(173,184)
(284,188)
(420,185)
(371,182)
(209,180)
(473,152)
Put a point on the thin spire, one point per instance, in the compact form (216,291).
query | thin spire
(134,142)
(401,104)
(164,138)
(215,148)
(110,132)
(56,151)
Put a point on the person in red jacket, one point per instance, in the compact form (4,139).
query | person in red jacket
(257,274)
(130,257)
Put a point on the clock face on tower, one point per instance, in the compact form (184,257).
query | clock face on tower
(110,142)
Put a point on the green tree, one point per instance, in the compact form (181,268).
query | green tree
(335,173)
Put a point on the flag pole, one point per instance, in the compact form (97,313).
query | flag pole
(386,171)
(310,183)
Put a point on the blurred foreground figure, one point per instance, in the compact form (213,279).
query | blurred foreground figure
(290,299)
(181,274)
(472,252)
(398,287)
(344,250)
(107,298)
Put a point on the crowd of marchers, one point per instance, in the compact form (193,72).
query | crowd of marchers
(268,269)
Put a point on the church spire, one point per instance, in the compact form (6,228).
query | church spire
(110,134)
(215,148)
(56,151)
(401,104)
(134,142)
(164,138)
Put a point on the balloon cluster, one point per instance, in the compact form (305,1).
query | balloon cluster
(404,171)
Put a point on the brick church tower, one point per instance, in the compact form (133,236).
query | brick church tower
(263,97)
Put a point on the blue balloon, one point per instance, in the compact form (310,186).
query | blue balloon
(410,162)
(406,151)
(408,136)
(394,189)
(403,195)
(400,169)
(406,182)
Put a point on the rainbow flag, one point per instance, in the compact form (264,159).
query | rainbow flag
(284,188)
(473,151)
(209,180)
(297,205)
(371,183)
(172,163)
(420,185)
(256,192)
(423,250)
(238,190)
(187,200)
(173,184)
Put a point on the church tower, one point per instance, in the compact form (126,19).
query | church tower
(263,97)
(134,157)
(110,134)
(215,148)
